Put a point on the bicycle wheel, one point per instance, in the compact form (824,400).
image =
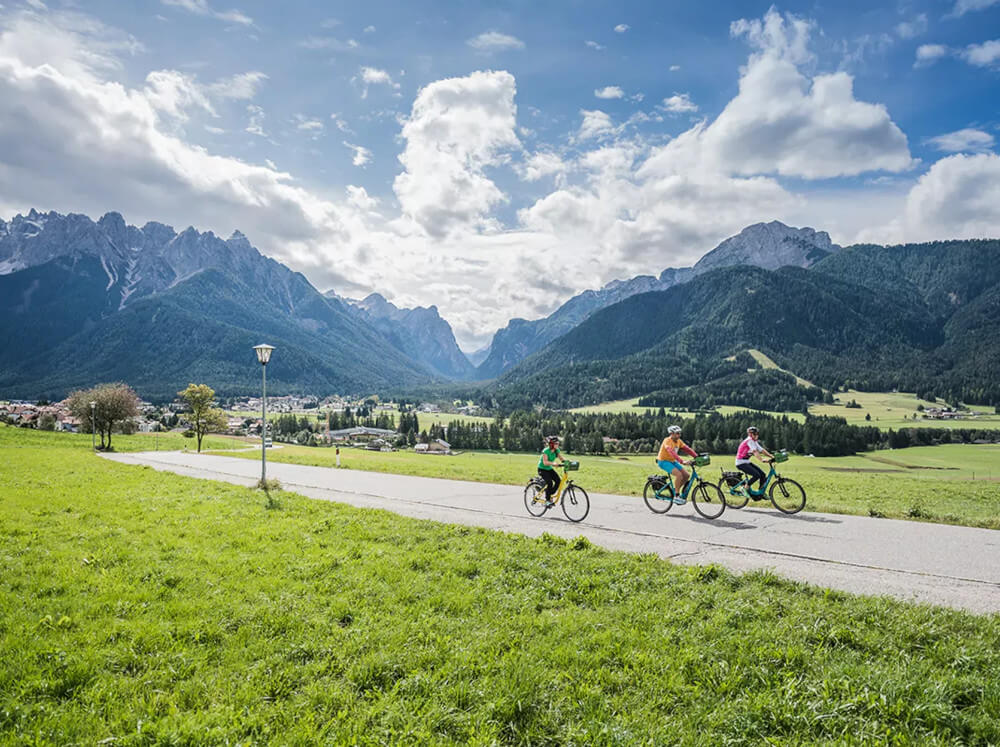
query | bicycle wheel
(656,503)
(788,496)
(534,497)
(733,500)
(575,503)
(707,500)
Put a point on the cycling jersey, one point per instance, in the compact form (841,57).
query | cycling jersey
(552,454)
(670,453)
(747,447)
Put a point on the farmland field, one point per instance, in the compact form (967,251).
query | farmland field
(139,607)
(956,484)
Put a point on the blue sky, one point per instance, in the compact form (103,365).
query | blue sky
(495,158)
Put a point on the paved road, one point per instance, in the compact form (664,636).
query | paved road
(946,565)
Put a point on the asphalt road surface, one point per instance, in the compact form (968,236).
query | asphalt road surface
(944,565)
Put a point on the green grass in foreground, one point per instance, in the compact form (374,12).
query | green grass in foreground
(929,483)
(139,607)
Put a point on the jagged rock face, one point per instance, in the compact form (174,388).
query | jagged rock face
(767,245)
(770,246)
(421,333)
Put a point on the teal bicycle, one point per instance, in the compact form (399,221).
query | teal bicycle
(786,494)
(706,497)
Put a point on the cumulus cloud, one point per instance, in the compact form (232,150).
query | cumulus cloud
(609,92)
(594,45)
(958,197)
(928,54)
(595,124)
(621,28)
(238,87)
(494,41)
(913,27)
(458,126)
(202,8)
(362,156)
(986,54)
(372,76)
(541,164)
(967,140)
(783,122)
(679,103)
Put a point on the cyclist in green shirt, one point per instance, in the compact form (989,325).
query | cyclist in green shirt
(547,467)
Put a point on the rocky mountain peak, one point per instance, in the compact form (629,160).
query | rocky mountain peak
(770,246)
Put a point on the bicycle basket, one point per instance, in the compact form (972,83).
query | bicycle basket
(732,478)
(781,456)
(570,466)
(702,460)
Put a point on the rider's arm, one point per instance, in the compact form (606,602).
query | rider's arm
(546,461)
(765,451)
(689,450)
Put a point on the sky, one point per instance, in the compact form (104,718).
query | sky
(494,159)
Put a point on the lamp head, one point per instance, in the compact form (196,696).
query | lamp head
(264,353)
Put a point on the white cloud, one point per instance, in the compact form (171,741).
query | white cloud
(595,124)
(986,54)
(202,8)
(928,54)
(785,123)
(494,41)
(256,124)
(238,87)
(912,28)
(958,197)
(458,126)
(309,125)
(329,43)
(967,140)
(371,76)
(679,103)
(674,68)
(541,164)
(174,93)
(594,45)
(621,28)
(966,6)
(362,156)
(609,92)
(369,30)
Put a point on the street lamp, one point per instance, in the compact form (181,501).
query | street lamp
(93,425)
(263,355)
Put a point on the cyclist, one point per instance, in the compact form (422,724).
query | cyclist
(747,448)
(669,460)
(547,467)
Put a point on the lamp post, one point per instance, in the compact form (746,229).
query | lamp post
(263,355)
(93,425)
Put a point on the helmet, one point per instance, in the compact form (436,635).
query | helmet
(752,429)
(552,439)
(674,429)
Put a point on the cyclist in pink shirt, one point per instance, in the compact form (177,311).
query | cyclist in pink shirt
(747,448)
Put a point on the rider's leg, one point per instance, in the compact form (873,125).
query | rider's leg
(681,477)
(551,482)
(754,474)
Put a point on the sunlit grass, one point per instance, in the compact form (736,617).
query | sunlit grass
(139,607)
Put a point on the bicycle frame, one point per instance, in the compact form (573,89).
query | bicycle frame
(564,482)
(695,477)
(742,486)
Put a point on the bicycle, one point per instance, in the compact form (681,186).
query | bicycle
(786,495)
(706,497)
(574,500)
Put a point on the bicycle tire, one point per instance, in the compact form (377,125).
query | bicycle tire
(535,506)
(733,500)
(787,496)
(653,503)
(575,503)
(707,500)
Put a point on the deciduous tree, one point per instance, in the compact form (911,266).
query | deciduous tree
(205,417)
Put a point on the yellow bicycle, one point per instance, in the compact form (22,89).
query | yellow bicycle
(574,500)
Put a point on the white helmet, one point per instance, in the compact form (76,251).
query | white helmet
(674,429)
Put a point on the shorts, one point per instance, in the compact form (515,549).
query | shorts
(669,467)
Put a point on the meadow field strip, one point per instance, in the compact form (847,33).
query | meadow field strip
(951,484)
(139,607)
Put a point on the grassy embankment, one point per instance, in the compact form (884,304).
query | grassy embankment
(139,607)
(955,484)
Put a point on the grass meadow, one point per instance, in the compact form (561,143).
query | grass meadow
(952,484)
(140,608)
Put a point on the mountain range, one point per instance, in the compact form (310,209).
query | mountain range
(84,301)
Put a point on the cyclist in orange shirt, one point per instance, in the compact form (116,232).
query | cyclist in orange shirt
(669,460)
